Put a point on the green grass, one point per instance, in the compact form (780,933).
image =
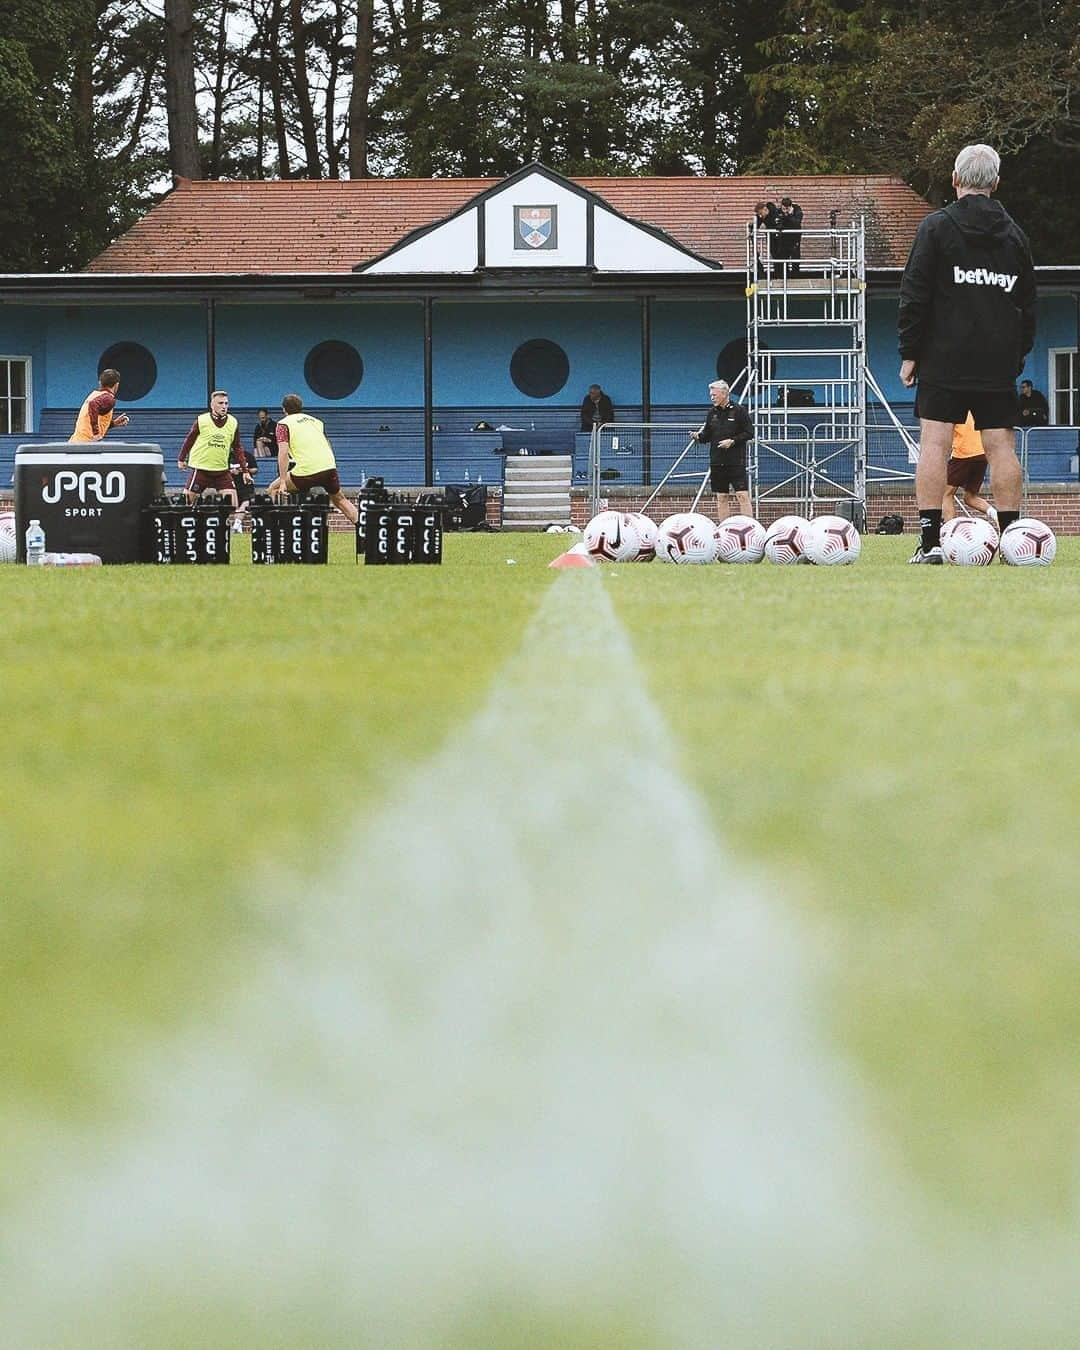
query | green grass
(895,747)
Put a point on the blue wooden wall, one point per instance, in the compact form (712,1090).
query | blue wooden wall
(261,349)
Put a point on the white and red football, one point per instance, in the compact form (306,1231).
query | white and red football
(832,541)
(785,540)
(740,539)
(1028,543)
(613,536)
(8,537)
(647,532)
(686,537)
(969,541)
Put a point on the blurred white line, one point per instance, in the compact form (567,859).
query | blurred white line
(535,1066)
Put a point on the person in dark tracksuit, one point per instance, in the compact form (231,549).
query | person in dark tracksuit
(726,431)
(789,245)
(769,218)
(966,322)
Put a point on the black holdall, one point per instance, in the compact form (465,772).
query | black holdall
(890,524)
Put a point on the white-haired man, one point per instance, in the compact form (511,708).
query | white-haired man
(966,322)
(726,430)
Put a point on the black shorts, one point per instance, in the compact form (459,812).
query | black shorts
(967,471)
(730,477)
(991,408)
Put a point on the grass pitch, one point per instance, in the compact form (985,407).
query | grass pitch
(894,747)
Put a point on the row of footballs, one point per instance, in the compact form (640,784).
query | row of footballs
(828,541)
(970,541)
(624,536)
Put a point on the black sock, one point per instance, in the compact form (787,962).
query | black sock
(930,525)
(1006,518)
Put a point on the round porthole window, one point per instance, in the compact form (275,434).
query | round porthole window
(539,368)
(733,359)
(137,367)
(333,369)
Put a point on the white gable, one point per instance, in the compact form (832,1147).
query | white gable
(505,245)
(622,246)
(449,247)
(536,221)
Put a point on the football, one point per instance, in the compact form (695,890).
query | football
(647,531)
(613,536)
(1028,543)
(686,538)
(832,541)
(740,539)
(785,540)
(8,537)
(969,541)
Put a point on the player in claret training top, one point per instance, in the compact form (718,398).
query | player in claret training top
(98,412)
(214,435)
(302,440)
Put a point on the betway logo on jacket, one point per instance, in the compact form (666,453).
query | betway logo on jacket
(979,276)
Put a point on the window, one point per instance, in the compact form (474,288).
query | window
(1064,387)
(14,395)
(136,366)
(333,369)
(539,368)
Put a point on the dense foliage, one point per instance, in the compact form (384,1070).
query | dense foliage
(101,101)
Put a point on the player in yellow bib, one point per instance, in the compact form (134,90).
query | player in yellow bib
(302,440)
(214,436)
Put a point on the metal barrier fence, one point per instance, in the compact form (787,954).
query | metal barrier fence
(814,466)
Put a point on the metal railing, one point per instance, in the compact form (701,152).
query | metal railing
(807,469)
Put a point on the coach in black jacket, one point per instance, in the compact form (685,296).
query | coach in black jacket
(726,430)
(966,322)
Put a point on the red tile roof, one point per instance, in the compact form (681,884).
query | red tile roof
(305,226)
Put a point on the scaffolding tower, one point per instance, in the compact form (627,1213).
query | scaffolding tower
(807,372)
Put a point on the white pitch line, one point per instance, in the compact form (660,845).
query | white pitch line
(537,1050)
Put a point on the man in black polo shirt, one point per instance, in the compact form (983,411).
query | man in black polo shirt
(1034,409)
(966,322)
(726,431)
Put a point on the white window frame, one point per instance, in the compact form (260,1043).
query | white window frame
(1052,389)
(28,362)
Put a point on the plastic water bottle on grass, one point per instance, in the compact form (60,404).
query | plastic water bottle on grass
(35,544)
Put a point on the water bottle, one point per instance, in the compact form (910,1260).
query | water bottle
(363,477)
(480,477)
(438,476)
(467,478)
(35,544)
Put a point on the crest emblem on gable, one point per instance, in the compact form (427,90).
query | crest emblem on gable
(535,227)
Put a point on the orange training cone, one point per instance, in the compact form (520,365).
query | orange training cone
(572,559)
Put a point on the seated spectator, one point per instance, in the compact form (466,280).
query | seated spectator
(263,438)
(1034,409)
(789,245)
(596,408)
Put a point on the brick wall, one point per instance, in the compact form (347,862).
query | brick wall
(1056,504)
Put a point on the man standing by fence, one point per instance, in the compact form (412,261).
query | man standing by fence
(726,431)
(966,322)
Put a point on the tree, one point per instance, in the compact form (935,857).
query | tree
(180,89)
